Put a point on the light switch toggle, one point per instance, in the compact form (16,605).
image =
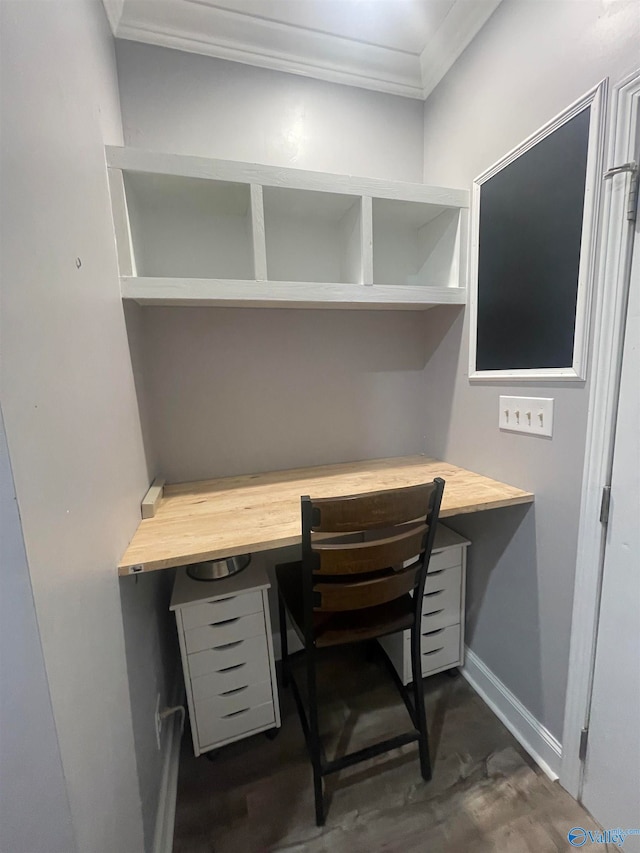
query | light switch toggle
(537,411)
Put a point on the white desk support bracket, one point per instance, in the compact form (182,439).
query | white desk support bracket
(151,500)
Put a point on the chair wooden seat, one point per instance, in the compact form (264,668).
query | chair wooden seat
(341,627)
(362,576)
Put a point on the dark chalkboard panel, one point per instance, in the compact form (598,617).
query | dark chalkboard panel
(529,239)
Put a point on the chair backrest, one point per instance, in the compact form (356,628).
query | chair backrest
(366,550)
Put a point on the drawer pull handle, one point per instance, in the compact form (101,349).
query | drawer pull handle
(219,601)
(237,690)
(434,652)
(433,633)
(224,622)
(235,665)
(229,645)
(433,612)
(435,572)
(235,713)
(435,592)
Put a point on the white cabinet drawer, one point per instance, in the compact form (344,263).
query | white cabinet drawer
(445,559)
(442,648)
(210,612)
(252,671)
(441,609)
(212,729)
(443,579)
(240,699)
(223,633)
(225,657)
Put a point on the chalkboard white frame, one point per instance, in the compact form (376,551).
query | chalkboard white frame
(595,99)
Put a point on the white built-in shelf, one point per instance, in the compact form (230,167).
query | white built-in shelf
(194,231)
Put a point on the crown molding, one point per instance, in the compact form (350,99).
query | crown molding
(201,27)
(458,30)
(392,84)
(114,9)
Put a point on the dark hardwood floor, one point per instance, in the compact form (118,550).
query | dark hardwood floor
(486,794)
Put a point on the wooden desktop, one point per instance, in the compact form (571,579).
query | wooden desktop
(223,517)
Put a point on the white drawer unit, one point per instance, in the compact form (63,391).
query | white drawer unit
(442,623)
(227,656)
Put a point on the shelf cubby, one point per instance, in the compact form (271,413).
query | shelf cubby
(312,236)
(189,227)
(415,244)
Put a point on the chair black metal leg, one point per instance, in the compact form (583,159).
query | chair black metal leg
(314,736)
(421,717)
(319,796)
(284,645)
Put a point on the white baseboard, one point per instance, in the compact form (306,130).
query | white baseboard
(166,813)
(293,643)
(538,741)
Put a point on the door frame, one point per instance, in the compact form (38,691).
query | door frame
(609,315)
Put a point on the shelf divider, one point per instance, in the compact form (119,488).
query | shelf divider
(121,227)
(257,233)
(366,223)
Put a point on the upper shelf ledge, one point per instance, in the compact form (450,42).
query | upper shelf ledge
(196,292)
(188,166)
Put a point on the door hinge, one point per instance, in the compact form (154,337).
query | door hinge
(584,737)
(632,199)
(605,504)
(632,195)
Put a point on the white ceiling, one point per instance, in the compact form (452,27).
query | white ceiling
(404,47)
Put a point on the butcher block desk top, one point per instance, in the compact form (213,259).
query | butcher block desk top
(256,512)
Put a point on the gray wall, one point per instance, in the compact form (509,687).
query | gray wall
(74,438)
(188,104)
(529,62)
(245,390)
(30,766)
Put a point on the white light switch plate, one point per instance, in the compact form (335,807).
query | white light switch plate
(527,414)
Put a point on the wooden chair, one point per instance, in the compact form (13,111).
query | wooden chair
(362,557)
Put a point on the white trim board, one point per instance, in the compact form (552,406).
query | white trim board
(166,811)
(293,643)
(595,99)
(609,313)
(542,746)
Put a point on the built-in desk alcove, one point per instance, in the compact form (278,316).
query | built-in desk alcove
(228,391)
